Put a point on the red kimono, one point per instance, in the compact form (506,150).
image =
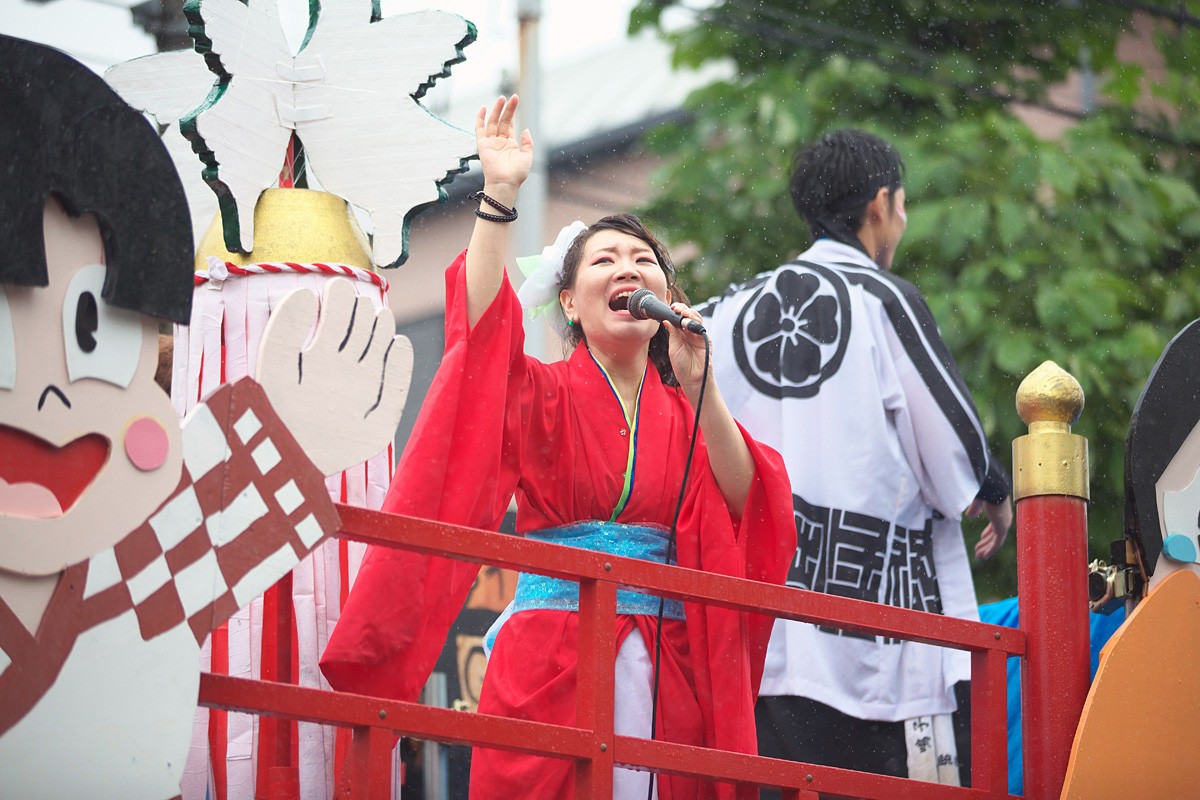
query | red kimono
(498,422)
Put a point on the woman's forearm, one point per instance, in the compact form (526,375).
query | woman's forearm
(728,454)
(486,253)
(506,159)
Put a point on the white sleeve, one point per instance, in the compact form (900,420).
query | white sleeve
(934,414)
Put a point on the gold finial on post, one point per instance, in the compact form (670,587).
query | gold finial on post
(1050,460)
(1049,394)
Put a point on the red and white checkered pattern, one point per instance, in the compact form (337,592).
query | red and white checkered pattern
(249,507)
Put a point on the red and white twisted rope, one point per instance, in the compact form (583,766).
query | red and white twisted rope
(223,270)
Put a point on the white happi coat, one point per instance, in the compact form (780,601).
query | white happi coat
(840,367)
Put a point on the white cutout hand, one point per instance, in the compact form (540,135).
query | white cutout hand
(342,395)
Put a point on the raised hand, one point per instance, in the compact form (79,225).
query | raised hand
(342,396)
(506,160)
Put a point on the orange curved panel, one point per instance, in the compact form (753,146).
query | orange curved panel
(1140,729)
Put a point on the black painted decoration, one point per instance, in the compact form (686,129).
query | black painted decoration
(63,131)
(1166,412)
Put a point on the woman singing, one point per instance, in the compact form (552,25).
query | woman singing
(595,449)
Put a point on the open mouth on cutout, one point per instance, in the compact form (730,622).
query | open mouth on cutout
(41,481)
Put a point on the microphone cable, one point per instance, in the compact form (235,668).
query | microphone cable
(671,549)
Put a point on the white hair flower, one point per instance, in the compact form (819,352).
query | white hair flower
(543,274)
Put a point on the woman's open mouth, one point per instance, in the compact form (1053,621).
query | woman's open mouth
(620,300)
(41,481)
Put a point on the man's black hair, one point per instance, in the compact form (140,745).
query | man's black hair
(64,132)
(835,178)
(1166,412)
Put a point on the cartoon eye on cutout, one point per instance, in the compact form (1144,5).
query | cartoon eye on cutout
(102,342)
(1181,517)
(8,345)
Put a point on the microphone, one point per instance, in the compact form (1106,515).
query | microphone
(644,305)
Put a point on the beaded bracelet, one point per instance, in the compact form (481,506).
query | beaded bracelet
(510,214)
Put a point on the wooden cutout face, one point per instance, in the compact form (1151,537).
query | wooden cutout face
(1178,495)
(1177,490)
(1162,457)
(83,407)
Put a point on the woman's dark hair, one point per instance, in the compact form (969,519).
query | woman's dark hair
(1164,416)
(629,224)
(65,133)
(835,178)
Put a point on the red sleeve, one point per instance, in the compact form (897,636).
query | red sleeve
(729,647)
(462,461)
(767,535)
(460,466)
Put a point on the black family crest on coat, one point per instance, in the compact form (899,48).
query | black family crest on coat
(791,335)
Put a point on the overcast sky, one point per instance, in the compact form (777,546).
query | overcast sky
(101,33)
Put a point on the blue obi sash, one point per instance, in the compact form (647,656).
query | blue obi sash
(614,538)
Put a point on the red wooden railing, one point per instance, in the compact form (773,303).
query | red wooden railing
(591,742)
(1051,479)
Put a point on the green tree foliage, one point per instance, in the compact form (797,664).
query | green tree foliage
(1079,249)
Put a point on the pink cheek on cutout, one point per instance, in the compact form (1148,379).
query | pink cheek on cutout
(146,443)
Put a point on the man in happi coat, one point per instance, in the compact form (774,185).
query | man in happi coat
(839,364)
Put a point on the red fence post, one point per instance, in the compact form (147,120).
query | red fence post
(278,770)
(1051,489)
(594,685)
(367,768)
(989,722)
